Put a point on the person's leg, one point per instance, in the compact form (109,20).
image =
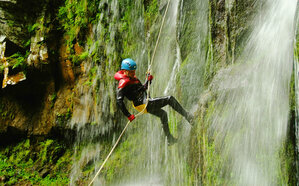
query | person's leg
(155,103)
(162,114)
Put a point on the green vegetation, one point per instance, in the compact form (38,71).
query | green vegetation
(212,161)
(48,162)
(5,113)
(75,16)
(32,29)
(11,23)
(43,163)
(122,160)
(77,59)
(126,31)
(297,46)
(92,76)
(151,14)
(53,98)
(62,119)
(18,60)
(287,157)
(209,66)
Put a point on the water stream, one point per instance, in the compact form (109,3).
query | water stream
(94,112)
(251,112)
(251,117)
(296,77)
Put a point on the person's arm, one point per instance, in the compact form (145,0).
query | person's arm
(148,80)
(120,102)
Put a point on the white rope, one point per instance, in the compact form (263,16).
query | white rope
(147,98)
(153,56)
(109,154)
(158,39)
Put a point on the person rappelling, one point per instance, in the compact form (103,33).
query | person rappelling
(130,87)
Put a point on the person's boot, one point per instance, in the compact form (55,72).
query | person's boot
(171,140)
(177,107)
(190,118)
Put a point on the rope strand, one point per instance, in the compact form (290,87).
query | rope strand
(147,98)
(158,39)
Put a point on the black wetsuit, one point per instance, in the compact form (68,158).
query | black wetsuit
(132,89)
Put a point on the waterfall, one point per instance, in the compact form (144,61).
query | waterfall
(251,114)
(296,77)
(249,122)
(152,163)
(156,163)
(94,112)
(148,159)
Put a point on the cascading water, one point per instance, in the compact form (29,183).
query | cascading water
(89,118)
(160,164)
(151,166)
(251,113)
(94,114)
(151,161)
(296,77)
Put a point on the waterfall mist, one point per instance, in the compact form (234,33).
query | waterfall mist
(250,119)
(95,111)
(158,164)
(251,114)
(296,78)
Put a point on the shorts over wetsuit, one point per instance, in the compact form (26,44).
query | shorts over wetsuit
(132,89)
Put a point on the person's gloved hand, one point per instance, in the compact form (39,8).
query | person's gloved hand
(131,117)
(150,77)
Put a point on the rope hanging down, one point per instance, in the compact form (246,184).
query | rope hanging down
(147,98)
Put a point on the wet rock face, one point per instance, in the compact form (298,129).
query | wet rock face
(27,106)
(16,15)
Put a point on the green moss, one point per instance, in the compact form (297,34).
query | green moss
(212,165)
(121,161)
(173,121)
(77,59)
(296,54)
(74,17)
(206,163)
(286,173)
(18,60)
(44,156)
(11,23)
(287,154)
(126,31)
(25,162)
(92,75)
(209,66)
(53,98)
(33,28)
(6,113)
(151,13)
(62,119)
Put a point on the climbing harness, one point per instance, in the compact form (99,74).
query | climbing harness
(142,109)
